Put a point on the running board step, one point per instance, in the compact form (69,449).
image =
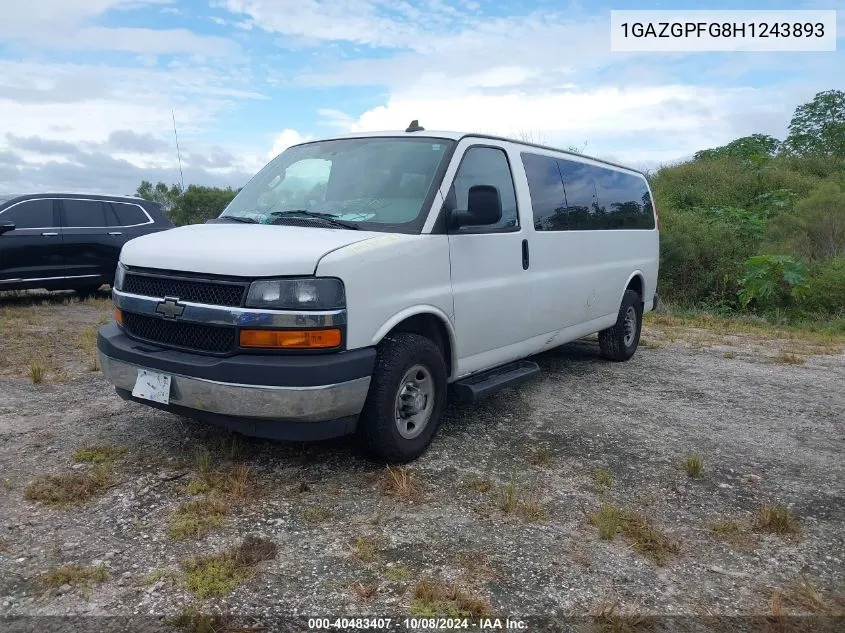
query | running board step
(483,384)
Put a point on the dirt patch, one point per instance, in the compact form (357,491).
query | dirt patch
(493,519)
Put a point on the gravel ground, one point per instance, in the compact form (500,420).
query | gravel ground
(495,515)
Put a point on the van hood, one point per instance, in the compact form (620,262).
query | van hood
(242,250)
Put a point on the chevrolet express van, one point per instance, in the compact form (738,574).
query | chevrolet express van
(355,279)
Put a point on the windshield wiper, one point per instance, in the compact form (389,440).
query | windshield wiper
(325,217)
(238,218)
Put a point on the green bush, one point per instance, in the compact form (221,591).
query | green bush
(700,259)
(815,230)
(772,281)
(727,182)
(826,288)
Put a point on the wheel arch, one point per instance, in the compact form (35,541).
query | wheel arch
(427,321)
(635,282)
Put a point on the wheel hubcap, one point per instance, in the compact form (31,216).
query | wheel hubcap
(414,401)
(630,326)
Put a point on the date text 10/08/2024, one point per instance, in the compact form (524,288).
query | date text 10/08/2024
(422,623)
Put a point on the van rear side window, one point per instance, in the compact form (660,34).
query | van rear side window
(587,197)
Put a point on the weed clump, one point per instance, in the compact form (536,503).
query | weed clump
(217,574)
(433,597)
(69,489)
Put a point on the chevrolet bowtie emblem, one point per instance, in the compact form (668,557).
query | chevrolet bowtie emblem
(170,308)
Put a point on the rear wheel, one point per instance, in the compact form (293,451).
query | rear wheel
(620,341)
(406,399)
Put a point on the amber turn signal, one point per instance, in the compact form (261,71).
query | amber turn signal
(118,316)
(291,339)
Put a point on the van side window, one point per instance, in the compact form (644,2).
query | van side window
(579,181)
(545,186)
(625,200)
(487,166)
(32,214)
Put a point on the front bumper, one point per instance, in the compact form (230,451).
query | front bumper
(285,397)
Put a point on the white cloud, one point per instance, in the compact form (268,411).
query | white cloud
(70,24)
(639,125)
(41,19)
(152,41)
(66,117)
(285,139)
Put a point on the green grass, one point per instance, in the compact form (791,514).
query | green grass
(433,597)
(69,489)
(217,574)
(316,514)
(693,466)
(522,503)
(479,484)
(365,549)
(776,519)
(397,573)
(36,372)
(636,528)
(607,520)
(196,518)
(831,331)
(98,454)
(168,575)
(75,575)
(603,479)
(192,621)
(198,487)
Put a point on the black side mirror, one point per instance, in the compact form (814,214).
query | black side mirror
(6,226)
(484,207)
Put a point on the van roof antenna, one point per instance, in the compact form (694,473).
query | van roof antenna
(415,126)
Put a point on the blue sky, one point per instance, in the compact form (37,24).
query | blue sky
(87,86)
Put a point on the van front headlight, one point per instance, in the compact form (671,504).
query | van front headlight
(307,293)
(119,274)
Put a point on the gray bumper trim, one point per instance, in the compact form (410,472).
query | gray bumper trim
(299,404)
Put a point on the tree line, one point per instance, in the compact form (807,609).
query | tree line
(756,225)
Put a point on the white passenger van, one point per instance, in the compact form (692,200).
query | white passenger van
(355,279)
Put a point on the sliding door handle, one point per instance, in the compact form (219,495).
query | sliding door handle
(49,234)
(115,233)
(524,254)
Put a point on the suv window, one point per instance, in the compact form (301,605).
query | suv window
(32,214)
(545,186)
(84,213)
(128,214)
(487,166)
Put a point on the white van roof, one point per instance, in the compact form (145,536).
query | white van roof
(457,136)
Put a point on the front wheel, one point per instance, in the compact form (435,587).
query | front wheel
(406,399)
(620,341)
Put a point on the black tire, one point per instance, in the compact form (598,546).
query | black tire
(612,341)
(378,432)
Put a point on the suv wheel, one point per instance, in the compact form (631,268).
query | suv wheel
(407,395)
(620,341)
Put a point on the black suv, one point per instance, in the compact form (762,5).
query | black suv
(69,241)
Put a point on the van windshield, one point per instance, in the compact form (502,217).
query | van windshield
(375,183)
